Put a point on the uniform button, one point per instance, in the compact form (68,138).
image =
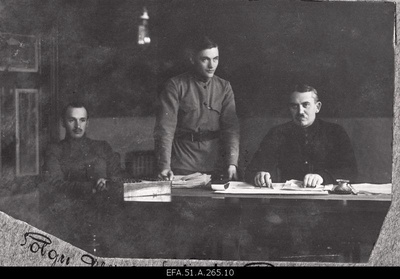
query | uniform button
(306,162)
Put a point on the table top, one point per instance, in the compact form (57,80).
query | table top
(207,192)
(201,186)
(197,187)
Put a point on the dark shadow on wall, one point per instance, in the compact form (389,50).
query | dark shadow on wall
(344,49)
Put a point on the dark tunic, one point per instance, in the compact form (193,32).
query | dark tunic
(289,151)
(188,104)
(73,166)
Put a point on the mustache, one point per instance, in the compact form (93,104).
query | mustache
(77,130)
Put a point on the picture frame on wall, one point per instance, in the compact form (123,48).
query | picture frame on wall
(27,131)
(19,53)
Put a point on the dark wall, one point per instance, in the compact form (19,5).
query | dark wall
(344,49)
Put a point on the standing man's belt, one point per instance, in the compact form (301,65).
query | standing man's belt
(199,136)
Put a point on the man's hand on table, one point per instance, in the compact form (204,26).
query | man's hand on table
(101,185)
(263,179)
(166,174)
(232,172)
(312,180)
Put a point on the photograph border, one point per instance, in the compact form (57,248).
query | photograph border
(386,251)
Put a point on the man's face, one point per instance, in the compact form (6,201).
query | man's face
(303,108)
(206,62)
(75,122)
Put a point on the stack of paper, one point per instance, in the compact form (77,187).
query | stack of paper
(296,187)
(147,191)
(191,181)
(291,187)
(367,188)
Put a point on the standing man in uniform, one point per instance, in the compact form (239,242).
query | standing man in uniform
(197,129)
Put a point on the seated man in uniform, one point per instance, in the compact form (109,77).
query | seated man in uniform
(78,166)
(307,148)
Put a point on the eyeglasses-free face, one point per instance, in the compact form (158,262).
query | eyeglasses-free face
(206,62)
(304,108)
(75,122)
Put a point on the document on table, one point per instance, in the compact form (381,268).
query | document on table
(193,180)
(290,187)
(295,187)
(148,191)
(367,188)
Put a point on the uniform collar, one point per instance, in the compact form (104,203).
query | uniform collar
(81,141)
(308,130)
(199,78)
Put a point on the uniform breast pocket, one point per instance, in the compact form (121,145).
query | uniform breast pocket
(188,107)
(214,107)
(187,111)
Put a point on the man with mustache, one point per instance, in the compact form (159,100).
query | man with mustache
(307,148)
(78,166)
(197,128)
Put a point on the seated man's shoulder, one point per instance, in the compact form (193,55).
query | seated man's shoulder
(283,127)
(97,142)
(280,131)
(54,147)
(101,146)
(334,131)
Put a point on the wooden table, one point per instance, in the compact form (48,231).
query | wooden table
(198,223)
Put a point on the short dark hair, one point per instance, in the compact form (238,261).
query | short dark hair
(75,104)
(201,42)
(302,88)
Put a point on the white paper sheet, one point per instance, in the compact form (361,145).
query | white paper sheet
(292,187)
(191,181)
(155,198)
(373,188)
(288,188)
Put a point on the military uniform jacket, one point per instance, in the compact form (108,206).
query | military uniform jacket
(188,104)
(73,166)
(289,151)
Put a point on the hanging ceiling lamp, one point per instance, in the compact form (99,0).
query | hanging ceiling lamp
(143,31)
